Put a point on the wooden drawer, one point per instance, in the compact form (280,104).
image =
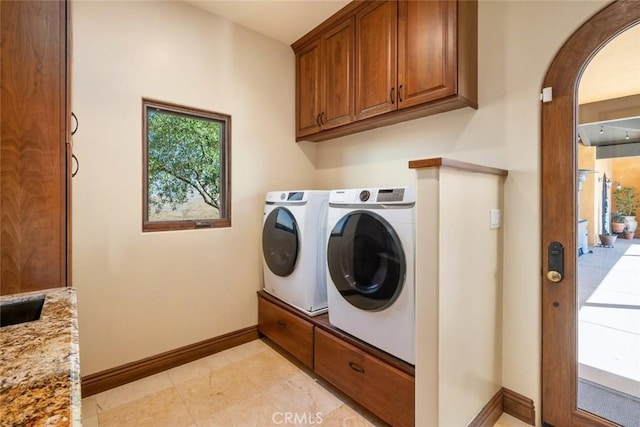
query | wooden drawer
(383,389)
(289,331)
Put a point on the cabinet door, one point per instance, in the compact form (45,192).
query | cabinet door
(308,89)
(376,28)
(33,184)
(290,332)
(338,71)
(427,64)
(384,390)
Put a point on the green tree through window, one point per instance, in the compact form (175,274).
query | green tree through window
(186,172)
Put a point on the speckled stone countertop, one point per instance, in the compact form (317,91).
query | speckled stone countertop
(39,364)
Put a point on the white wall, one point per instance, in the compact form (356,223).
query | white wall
(458,295)
(517,42)
(470,295)
(141,294)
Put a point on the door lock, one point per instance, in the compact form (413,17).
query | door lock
(554,276)
(555,261)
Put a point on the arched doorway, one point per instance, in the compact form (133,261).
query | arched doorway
(559,217)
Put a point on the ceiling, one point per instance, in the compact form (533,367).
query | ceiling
(613,73)
(286,21)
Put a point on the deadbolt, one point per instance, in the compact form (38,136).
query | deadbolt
(554,276)
(555,254)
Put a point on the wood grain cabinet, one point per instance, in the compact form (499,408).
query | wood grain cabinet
(411,59)
(378,381)
(376,59)
(290,332)
(34,156)
(325,90)
(384,390)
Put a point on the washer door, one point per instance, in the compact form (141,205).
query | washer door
(280,242)
(366,261)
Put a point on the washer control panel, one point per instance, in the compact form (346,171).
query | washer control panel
(373,196)
(386,195)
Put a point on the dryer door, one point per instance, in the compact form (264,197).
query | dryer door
(366,261)
(280,242)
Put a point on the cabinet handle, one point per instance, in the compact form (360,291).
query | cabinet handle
(74,173)
(282,323)
(318,120)
(73,132)
(391,95)
(358,369)
(400,93)
(321,120)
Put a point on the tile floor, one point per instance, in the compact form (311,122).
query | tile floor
(609,318)
(249,385)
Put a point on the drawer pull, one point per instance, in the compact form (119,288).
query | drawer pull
(282,323)
(356,368)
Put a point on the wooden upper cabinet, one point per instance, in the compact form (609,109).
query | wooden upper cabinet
(376,28)
(412,59)
(426,51)
(308,89)
(34,184)
(338,70)
(324,81)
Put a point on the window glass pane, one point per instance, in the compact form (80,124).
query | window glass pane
(186,171)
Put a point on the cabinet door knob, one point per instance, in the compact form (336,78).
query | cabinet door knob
(391,95)
(321,118)
(400,93)
(318,120)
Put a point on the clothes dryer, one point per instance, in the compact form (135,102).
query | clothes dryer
(293,248)
(370,264)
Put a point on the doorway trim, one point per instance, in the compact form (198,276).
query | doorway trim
(558,211)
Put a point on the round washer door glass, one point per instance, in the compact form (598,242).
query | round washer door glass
(366,261)
(280,242)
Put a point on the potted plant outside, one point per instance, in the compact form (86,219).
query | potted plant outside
(618,223)
(608,239)
(628,234)
(627,204)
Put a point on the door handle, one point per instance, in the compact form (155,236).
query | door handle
(555,262)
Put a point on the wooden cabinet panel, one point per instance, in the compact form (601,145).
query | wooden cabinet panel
(376,29)
(290,332)
(412,59)
(426,51)
(338,72)
(308,90)
(384,390)
(33,157)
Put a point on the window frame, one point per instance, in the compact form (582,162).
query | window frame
(225,165)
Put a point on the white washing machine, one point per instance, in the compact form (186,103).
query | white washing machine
(293,248)
(370,264)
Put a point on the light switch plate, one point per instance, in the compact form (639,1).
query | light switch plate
(495,218)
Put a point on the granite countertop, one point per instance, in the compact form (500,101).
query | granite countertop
(39,364)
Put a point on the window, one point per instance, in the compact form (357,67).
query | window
(186,182)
